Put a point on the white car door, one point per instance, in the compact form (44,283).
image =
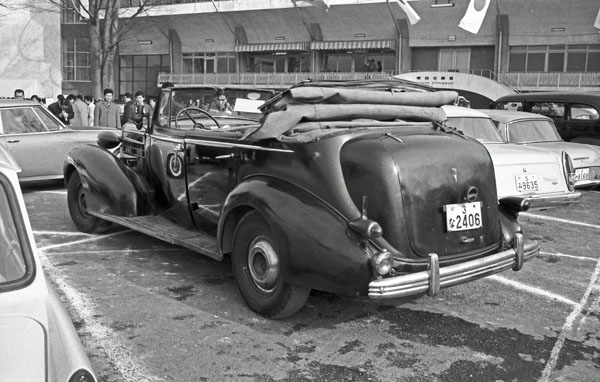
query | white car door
(32,144)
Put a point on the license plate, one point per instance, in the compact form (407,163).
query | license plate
(527,183)
(463,216)
(582,174)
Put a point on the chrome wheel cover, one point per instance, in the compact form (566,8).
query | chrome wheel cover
(263,264)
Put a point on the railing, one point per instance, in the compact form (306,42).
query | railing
(546,81)
(272,80)
(519,81)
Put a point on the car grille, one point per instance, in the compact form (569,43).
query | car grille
(133,147)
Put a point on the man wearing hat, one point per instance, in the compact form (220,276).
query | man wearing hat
(106,112)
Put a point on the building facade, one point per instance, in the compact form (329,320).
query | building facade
(529,45)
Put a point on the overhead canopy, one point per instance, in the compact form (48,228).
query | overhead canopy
(345,45)
(271,47)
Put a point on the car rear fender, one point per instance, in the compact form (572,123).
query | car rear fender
(319,252)
(112,188)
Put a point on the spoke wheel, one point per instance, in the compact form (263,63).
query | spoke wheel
(76,201)
(174,166)
(256,263)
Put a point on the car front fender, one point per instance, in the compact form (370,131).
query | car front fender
(111,187)
(318,250)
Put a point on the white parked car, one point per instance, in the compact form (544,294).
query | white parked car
(536,130)
(545,178)
(37,339)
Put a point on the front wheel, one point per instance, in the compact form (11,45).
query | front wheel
(78,208)
(256,262)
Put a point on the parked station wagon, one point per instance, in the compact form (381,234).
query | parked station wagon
(576,114)
(345,187)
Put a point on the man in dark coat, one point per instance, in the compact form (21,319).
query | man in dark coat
(62,109)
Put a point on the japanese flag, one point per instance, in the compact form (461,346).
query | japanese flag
(473,18)
(319,3)
(413,17)
(597,23)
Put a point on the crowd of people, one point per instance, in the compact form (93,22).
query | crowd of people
(85,111)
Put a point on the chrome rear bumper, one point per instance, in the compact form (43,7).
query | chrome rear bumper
(552,200)
(435,278)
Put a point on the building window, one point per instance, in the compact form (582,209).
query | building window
(70,13)
(76,59)
(554,58)
(358,61)
(279,62)
(140,73)
(209,62)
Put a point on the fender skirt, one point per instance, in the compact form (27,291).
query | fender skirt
(111,187)
(316,249)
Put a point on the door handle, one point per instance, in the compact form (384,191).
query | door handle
(13,141)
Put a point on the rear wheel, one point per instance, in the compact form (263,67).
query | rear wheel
(78,208)
(256,262)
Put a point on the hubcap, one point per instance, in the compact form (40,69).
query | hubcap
(263,264)
(81,202)
(175,165)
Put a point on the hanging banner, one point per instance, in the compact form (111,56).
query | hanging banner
(473,18)
(597,23)
(413,17)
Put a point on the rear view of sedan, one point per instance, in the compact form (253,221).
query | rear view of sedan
(37,140)
(536,130)
(544,178)
(37,339)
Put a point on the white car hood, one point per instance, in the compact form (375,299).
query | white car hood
(22,346)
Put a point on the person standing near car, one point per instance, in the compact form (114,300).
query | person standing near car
(91,105)
(62,109)
(80,110)
(106,112)
(127,108)
(139,113)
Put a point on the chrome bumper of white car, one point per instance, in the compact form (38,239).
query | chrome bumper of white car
(435,278)
(552,200)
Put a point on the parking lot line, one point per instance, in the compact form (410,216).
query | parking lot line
(532,290)
(97,237)
(569,256)
(544,217)
(551,364)
(117,353)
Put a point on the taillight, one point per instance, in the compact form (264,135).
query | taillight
(82,375)
(569,170)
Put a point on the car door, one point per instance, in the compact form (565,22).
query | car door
(34,140)
(210,174)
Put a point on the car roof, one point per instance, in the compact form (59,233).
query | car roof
(459,111)
(7,162)
(506,116)
(11,102)
(554,96)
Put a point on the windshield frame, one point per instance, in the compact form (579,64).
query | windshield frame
(500,139)
(21,232)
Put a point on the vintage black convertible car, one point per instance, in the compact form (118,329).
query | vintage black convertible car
(350,187)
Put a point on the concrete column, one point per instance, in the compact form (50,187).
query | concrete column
(175,51)
(501,56)
(403,51)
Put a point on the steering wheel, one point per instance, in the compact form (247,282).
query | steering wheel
(190,111)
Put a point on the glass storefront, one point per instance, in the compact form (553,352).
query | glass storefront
(140,72)
(358,61)
(279,62)
(209,63)
(555,58)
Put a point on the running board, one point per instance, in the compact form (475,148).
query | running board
(164,229)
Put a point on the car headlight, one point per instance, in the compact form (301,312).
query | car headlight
(383,262)
(82,375)
(569,170)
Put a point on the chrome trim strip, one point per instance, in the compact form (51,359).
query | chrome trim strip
(164,139)
(232,145)
(420,282)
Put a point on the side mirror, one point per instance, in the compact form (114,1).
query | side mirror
(108,140)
